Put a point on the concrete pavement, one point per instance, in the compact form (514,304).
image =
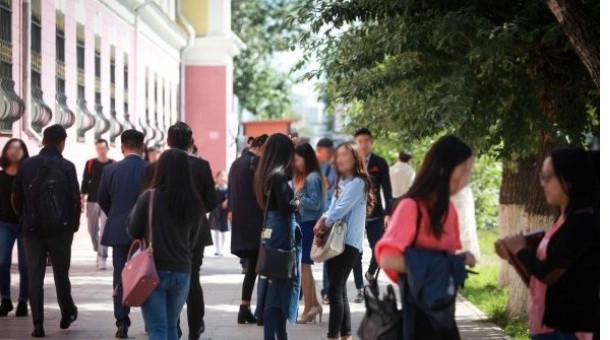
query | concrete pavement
(221,279)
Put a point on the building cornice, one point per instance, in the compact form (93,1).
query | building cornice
(214,50)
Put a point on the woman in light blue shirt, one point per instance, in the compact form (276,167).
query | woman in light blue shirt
(352,198)
(309,186)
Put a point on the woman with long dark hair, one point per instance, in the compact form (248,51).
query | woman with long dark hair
(353,195)
(444,172)
(13,153)
(309,185)
(564,283)
(278,299)
(177,211)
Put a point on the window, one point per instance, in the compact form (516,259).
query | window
(15,106)
(6,48)
(85,119)
(40,112)
(64,116)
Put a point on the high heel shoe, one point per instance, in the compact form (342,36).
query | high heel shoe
(311,315)
(245,316)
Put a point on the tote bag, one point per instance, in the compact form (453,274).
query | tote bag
(334,244)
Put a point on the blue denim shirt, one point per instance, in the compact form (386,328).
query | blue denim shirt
(350,206)
(328,170)
(312,198)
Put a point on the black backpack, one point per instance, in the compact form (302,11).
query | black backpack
(52,206)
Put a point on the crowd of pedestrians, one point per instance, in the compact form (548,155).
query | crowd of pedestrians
(280,199)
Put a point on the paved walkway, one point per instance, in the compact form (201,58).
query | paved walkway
(221,281)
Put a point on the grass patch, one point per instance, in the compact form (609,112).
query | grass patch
(483,291)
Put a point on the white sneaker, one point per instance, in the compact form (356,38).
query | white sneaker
(101,263)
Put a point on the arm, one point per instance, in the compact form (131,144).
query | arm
(73,187)
(210,200)
(103,193)
(312,199)
(86,177)
(138,217)
(282,193)
(352,193)
(386,186)
(17,194)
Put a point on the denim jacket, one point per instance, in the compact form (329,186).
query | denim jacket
(350,206)
(312,198)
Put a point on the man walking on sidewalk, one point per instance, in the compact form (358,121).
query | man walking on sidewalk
(96,219)
(45,194)
(118,192)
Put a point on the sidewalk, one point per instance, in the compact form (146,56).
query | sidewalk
(221,279)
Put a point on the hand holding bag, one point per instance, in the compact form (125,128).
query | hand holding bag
(275,263)
(334,244)
(139,277)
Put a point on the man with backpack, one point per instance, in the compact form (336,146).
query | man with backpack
(46,196)
(96,219)
(118,192)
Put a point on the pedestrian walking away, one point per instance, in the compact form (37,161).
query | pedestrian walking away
(378,218)
(48,228)
(117,194)
(13,153)
(402,175)
(96,218)
(176,215)
(353,194)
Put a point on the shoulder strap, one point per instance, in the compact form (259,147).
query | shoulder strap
(418,223)
(89,166)
(151,204)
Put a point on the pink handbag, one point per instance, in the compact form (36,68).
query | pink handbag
(139,277)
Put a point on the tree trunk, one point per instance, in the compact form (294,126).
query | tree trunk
(582,28)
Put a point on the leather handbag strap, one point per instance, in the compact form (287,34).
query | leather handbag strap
(151,205)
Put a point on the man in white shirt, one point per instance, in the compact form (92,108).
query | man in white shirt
(401,174)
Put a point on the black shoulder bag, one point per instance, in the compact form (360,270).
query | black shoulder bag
(275,263)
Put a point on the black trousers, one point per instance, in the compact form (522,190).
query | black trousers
(59,248)
(119,258)
(250,278)
(195,303)
(374,232)
(339,322)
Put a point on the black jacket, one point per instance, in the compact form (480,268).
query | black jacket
(572,300)
(27,173)
(380,176)
(204,185)
(247,215)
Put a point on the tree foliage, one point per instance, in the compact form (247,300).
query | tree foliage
(501,74)
(260,87)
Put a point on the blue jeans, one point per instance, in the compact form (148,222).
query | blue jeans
(162,309)
(556,335)
(8,236)
(275,324)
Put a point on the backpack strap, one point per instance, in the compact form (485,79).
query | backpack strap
(89,166)
(151,205)
(418,223)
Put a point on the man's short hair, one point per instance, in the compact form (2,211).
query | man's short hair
(404,156)
(325,143)
(101,141)
(180,136)
(363,132)
(132,139)
(54,135)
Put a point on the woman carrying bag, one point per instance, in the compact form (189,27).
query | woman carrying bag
(349,203)
(175,222)
(279,256)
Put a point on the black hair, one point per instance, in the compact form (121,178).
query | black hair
(363,132)
(431,184)
(54,135)
(574,169)
(4,161)
(277,157)
(404,156)
(132,139)
(259,141)
(308,154)
(180,136)
(101,141)
(173,175)
(325,143)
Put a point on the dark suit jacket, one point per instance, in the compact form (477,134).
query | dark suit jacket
(380,176)
(247,220)
(27,173)
(205,186)
(118,193)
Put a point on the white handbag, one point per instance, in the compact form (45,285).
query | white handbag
(334,245)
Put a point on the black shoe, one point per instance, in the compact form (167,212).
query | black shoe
(67,321)
(22,309)
(245,315)
(38,331)
(5,306)
(121,332)
(360,297)
(197,335)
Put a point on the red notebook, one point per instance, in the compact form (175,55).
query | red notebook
(532,240)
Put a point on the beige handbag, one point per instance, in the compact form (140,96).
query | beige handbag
(333,245)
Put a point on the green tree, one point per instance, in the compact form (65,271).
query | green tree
(500,74)
(260,87)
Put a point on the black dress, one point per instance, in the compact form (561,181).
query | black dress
(219,216)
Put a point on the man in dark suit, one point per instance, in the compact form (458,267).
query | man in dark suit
(37,244)
(180,136)
(117,194)
(378,219)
